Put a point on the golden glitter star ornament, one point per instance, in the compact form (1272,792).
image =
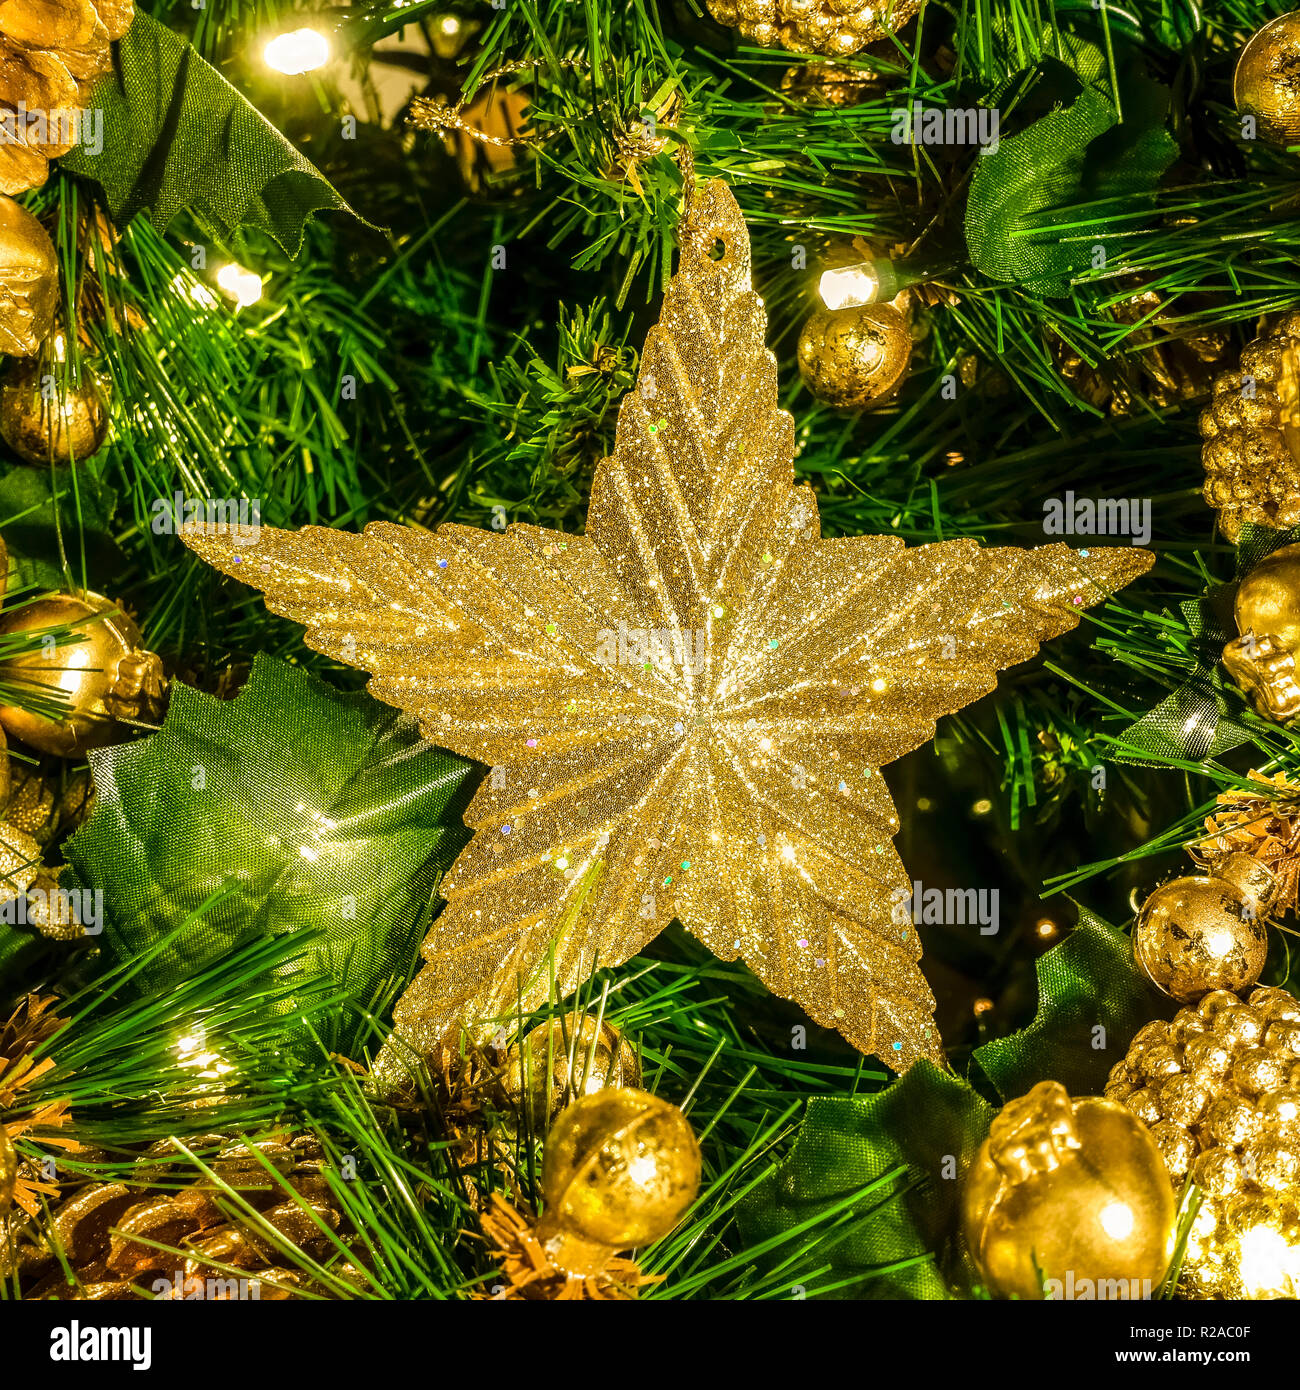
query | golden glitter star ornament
(685,709)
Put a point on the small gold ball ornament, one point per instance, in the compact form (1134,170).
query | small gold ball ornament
(1262,659)
(1251,453)
(854,358)
(1067,1191)
(564,1059)
(1202,933)
(8,1170)
(107,677)
(837,27)
(29,281)
(41,422)
(620,1168)
(1220,1089)
(1266,84)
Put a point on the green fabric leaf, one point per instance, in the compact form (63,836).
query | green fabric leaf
(1025,211)
(1091,1000)
(929,1122)
(177,135)
(316,809)
(33,516)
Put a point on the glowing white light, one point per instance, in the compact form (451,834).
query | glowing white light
(849,288)
(243,286)
(1269,1264)
(1116,1220)
(298,51)
(193,289)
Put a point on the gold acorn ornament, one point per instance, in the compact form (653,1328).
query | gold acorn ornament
(1070,1191)
(29,281)
(1220,1089)
(1266,84)
(559,1061)
(1252,471)
(1262,659)
(44,420)
(837,27)
(620,1168)
(106,677)
(1206,932)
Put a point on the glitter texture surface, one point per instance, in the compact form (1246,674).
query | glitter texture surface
(685,710)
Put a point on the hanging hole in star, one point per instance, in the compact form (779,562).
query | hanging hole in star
(718,251)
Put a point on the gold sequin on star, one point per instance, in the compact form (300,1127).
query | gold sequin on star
(686,708)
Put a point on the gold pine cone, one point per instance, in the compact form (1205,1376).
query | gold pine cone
(105,1229)
(836,27)
(1219,1088)
(1251,430)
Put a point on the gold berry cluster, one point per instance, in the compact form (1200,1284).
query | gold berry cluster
(1219,1088)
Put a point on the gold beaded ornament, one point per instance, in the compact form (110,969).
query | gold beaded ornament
(836,27)
(1219,1088)
(1251,452)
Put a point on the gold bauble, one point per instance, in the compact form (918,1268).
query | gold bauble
(1266,84)
(1262,659)
(29,281)
(564,1059)
(1198,934)
(1069,1191)
(620,1168)
(1251,429)
(853,358)
(1220,1089)
(106,677)
(40,422)
(837,27)
(8,1170)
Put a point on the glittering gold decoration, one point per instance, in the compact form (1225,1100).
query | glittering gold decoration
(619,1169)
(50,50)
(1264,825)
(43,423)
(838,27)
(566,1058)
(833,84)
(1068,1191)
(1198,934)
(29,281)
(853,358)
(1251,430)
(106,676)
(687,707)
(1262,659)
(1266,84)
(1220,1089)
